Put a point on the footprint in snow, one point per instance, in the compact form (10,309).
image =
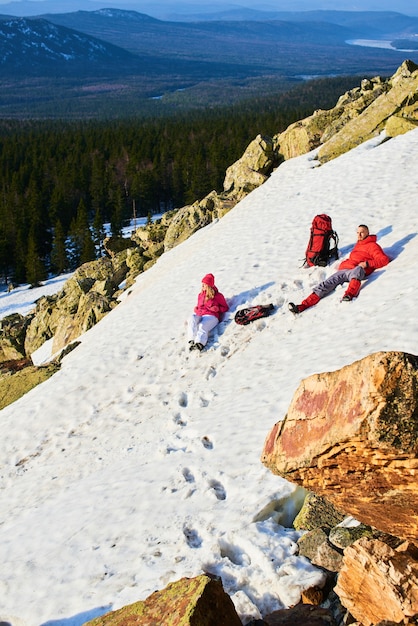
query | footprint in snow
(177,419)
(206,442)
(188,476)
(183,399)
(211,373)
(192,537)
(218,488)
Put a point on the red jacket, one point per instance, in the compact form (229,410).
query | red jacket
(366,250)
(216,306)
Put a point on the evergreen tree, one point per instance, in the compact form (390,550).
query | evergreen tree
(35,267)
(98,233)
(82,247)
(59,257)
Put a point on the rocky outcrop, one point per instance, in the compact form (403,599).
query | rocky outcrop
(352,437)
(199,601)
(395,110)
(378,583)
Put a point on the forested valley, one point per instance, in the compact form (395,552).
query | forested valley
(61,181)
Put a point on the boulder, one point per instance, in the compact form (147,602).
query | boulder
(199,601)
(319,550)
(378,583)
(352,436)
(12,337)
(190,219)
(92,307)
(113,245)
(317,512)
(252,169)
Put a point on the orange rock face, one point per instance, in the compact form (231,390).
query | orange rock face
(352,437)
(377,583)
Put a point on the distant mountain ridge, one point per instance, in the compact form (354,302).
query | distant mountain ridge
(36,46)
(173,10)
(158,57)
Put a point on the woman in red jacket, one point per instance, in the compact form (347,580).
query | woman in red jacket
(365,257)
(211,305)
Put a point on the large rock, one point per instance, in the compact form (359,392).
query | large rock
(12,337)
(352,437)
(252,169)
(199,601)
(190,219)
(378,583)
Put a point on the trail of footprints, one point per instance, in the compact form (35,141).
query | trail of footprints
(191,535)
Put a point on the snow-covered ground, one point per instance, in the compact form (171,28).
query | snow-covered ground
(138,463)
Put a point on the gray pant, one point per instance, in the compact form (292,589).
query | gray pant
(338,278)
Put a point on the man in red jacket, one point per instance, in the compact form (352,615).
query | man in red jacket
(365,257)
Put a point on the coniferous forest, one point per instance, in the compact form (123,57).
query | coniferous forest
(62,181)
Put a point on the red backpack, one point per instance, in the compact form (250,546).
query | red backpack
(323,242)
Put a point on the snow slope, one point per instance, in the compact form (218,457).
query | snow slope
(138,463)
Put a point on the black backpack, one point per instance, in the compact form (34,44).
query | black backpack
(323,242)
(251,313)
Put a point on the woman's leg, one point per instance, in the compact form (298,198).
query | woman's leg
(207,323)
(192,326)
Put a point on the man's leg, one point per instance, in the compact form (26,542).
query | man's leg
(356,275)
(323,289)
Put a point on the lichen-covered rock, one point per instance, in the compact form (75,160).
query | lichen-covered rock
(199,601)
(12,337)
(253,168)
(342,537)
(402,92)
(113,245)
(317,512)
(316,547)
(92,307)
(15,386)
(190,219)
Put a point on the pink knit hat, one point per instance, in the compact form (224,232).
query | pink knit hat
(209,279)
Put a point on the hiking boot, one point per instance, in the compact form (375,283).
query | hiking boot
(199,346)
(293,308)
(346,298)
(352,289)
